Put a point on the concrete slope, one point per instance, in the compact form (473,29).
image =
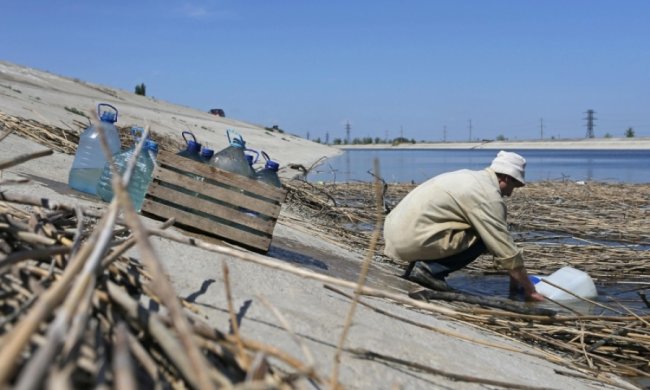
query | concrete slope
(52,100)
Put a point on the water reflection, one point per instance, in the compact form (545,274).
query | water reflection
(612,295)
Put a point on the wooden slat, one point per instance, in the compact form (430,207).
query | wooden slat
(230,195)
(206,199)
(216,174)
(206,225)
(191,202)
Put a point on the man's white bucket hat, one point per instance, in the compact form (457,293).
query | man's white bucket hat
(511,164)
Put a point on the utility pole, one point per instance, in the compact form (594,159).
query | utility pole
(308,136)
(327,138)
(444,134)
(470,130)
(347,132)
(401,132)
(541,127)
(590,123)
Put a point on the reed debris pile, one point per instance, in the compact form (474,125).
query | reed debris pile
(597,227)
(65,139)
(75,312)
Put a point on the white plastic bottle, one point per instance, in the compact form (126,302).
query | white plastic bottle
(571,279)
(89,160)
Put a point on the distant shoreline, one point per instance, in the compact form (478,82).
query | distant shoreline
(641,143)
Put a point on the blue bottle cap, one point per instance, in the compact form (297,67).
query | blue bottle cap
(151,145)
(108,116)
(207,153)
(534,279)
(250,159)
(272,165)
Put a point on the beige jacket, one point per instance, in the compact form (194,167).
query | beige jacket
(446,214)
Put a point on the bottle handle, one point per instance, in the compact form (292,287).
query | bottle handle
(190,133)
(99,111)
(236,137)
(257,154)
(266,156)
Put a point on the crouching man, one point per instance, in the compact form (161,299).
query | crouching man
(446,222)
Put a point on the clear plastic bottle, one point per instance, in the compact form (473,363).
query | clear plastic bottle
(89,160)
(232,158)
(140,178)
(269,174)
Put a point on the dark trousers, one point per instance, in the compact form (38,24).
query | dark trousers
(440,268)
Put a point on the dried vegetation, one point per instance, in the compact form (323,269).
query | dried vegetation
(597,227)
(72,305)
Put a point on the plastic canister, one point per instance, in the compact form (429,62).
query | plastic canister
(569,278)
(140,178)
(251,160)
(232,158)
(192,148)
(206,154)
(269,174)
(89,160)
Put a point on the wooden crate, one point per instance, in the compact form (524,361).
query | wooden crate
(207,200)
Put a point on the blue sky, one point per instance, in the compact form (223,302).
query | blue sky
(390,68)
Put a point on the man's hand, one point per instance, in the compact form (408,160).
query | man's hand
(519,276)
(537,297)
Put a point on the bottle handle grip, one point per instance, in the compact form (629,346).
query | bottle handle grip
(235,136)
(190,133)
(257,154)
(266,156)
(99,111)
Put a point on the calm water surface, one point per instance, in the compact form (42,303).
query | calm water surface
(418,165)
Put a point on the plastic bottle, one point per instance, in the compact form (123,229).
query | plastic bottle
(89,160)
(269,174)
(206,154)
(192,149)
(232,158)
(571,279)
(251,160)
(140,178)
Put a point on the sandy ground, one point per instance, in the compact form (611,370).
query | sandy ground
(316,315)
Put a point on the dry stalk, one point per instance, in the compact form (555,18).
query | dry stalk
(241,352)
(362,278)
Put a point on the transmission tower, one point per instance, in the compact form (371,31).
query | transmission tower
(347,131)
(590,123)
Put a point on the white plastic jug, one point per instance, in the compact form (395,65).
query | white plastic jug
(571,279)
